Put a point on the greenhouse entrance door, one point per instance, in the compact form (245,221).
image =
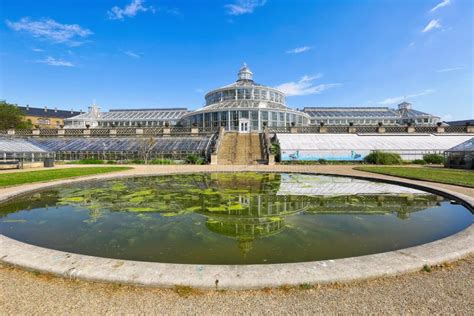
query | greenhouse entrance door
(244,126)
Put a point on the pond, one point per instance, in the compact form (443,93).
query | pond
(231,218)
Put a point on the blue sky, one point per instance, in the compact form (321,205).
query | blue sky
(154,53)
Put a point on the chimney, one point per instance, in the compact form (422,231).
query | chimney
(55,109)
(45,108)
(27,107)
(72,111)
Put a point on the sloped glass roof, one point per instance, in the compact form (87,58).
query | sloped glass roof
(230,104)
(364,112)
(18,145)
(466,146)
(100,144)
(136,115)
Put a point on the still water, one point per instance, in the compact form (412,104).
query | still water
(231,218)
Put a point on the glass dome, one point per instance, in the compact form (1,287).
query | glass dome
(245,106)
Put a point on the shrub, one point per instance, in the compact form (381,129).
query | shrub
(161,162)
(418,162)
(200,161)
(137,161)
(90,162)
(383,158)
(322,161)
(275,150)
(194,160)
(433,158)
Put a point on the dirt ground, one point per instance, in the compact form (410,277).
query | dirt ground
(446,289)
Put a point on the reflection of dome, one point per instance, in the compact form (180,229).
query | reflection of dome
(254,205)
(245,228)
(245,231)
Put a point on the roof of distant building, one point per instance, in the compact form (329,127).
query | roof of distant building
(402,112)
(351,112)
(461,122)
(46,112)
(150,109)
(159,114)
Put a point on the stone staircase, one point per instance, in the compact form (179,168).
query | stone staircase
(240,149)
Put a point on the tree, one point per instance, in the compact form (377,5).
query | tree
(145,148)
(12,117)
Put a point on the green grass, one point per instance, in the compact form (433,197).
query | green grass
(449,176)
(17,178)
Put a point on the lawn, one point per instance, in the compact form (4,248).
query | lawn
(16,178)
(449,176)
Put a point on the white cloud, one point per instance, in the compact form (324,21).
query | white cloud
(305,86)
(37,50)
(396,100)
(51,61)
(117,13)
(51,30)
(440,5)
(449,69)
(244,6)
(298,50)
(434,24)
(129,53)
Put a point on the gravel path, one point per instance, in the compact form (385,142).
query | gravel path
(447,289)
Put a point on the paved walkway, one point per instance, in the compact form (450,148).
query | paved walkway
(445,290)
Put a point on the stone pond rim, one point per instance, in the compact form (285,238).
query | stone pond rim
(76,266)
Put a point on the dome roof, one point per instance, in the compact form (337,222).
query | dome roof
(245,73)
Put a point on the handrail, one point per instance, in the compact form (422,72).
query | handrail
(208,150)
(219,140)
(179,131)
(108,131)
(266,144)
(234,147)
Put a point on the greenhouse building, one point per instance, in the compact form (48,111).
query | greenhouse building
(245,106)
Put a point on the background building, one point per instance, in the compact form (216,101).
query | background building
(47,118)
(126,118)
(370,115)
(246,106)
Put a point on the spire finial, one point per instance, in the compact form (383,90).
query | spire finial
(245,73)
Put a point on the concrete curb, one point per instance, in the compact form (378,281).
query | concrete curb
(76,266)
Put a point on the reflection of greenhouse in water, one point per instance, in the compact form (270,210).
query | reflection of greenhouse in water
(265,215)
(244,206)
